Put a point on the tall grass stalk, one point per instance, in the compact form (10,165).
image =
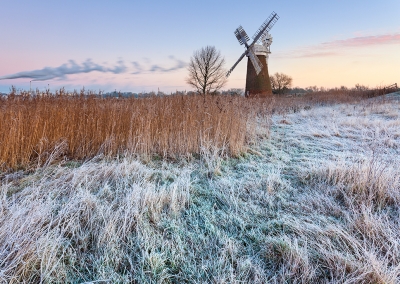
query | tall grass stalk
(45,127)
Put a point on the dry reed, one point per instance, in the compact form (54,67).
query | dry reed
(40,128)
(294,103)
(43,127)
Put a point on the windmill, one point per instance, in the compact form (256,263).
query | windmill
(257,78)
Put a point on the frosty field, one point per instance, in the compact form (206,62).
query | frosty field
(314,199)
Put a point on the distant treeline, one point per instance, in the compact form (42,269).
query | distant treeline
(233,91)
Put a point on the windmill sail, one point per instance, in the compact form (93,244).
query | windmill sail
(254,59)
(236,63)
(241,35)
(265,27)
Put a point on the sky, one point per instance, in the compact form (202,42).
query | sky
(143,46)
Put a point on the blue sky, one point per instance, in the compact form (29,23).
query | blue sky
(144,45)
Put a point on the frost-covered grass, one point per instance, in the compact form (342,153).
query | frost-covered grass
(315,199)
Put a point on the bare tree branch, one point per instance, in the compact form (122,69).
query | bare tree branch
(206,70)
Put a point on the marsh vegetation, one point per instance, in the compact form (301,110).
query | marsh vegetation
(308,191)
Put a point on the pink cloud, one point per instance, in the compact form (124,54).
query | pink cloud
(333,48)
(365,41)
(303,53)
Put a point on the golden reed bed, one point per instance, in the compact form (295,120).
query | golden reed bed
(33,128)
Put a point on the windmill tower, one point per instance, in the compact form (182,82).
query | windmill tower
(257,78)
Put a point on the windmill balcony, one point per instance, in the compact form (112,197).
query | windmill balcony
(261,50)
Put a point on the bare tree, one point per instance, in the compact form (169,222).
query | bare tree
(359,87)
(280,82)
(206,70)
(312,89)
